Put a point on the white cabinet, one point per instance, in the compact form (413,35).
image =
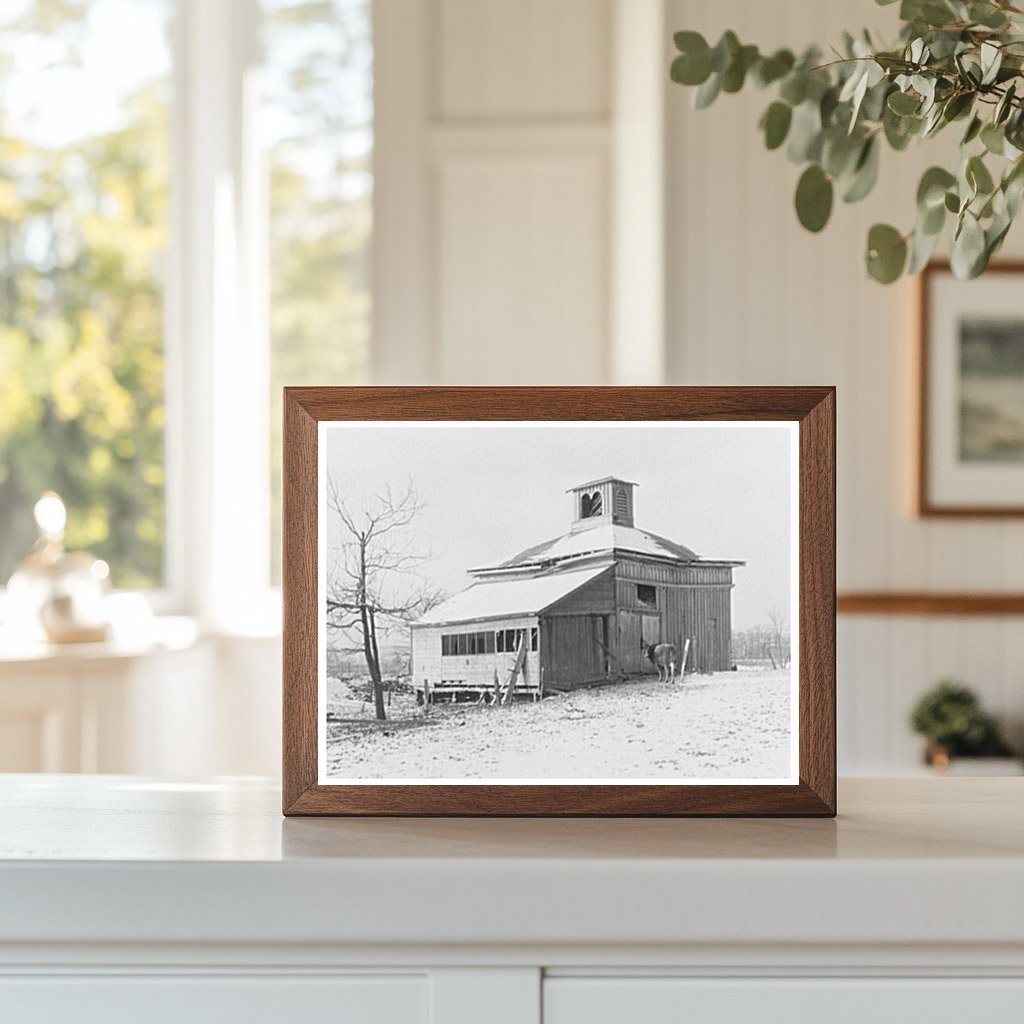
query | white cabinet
(823,1000)
(127,899)
(216,1000)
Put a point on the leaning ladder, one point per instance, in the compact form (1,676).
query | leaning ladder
(517,667)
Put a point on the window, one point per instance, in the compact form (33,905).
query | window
(264,281)
(590,505)
(83,241)
(487,642)
(647,595)
(533,639)
(317,120)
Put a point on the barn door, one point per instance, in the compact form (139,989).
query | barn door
(633,626)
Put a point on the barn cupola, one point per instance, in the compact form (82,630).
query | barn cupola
(600,502)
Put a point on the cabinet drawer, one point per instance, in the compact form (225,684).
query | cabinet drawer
(782,1000)
(202,999)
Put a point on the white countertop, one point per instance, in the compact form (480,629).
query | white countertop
(120,859)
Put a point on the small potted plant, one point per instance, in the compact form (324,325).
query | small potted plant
(950,718)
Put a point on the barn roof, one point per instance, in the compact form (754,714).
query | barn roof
(506,597)
(608,537)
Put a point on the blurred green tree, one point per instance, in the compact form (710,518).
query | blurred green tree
(82,234)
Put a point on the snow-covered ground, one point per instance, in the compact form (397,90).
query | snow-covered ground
(723,726)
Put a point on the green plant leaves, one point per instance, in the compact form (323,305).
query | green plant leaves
(904,103)
(978,176)
(993,138)
(969,254)
(693,65)
(771,69)
(886,254)
(814,196)
(932,189)
(865,173)
(775,122)
(805,133)
(957,60)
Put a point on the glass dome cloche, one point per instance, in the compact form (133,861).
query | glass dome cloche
(57,595)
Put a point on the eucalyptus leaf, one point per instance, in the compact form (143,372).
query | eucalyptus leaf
(775,124)
(707,93)
(771,69)
(973,130)
(903,103)
(991,61)
(922,247)
(805,133)
(735,74)
(931,190)
(865,174)
(987,15)
(886,253)
(794,88)
(814,196)
(840,152)
(978,176)
(993,138)
(724,51)
(968,248)
(1005,105)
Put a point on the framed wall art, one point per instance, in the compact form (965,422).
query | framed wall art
(559,601)
(970,445)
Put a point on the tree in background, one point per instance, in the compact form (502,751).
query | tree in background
(373,583)
(82,231)
(83,242)
(318,117)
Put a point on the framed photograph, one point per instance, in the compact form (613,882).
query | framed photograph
(970,451)
(559,601)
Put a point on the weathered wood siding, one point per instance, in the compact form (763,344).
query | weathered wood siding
(571,650)
(692,602)
(596,598)
(475,670)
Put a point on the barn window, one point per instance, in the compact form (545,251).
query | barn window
(446,644)
(488,643)
(646,595)
(621,501)
(590,505)
(463,644)
(533,639)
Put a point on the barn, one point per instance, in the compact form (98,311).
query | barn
(574,611)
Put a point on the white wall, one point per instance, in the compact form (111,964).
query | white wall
(754,299)
(501,146)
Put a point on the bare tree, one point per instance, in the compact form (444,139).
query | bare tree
(780,636)
(373,579)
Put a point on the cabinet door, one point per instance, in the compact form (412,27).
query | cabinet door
(782,1000)
(202,999)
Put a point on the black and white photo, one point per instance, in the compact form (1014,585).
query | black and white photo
(557,602)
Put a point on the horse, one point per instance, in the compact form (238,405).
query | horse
(664,657)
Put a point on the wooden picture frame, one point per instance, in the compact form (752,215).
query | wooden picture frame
(940,488)
(811,411)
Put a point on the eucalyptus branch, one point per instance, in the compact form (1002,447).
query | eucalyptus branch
(956,61)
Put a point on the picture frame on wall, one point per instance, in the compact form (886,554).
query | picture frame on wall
(559,601)
(970,380)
